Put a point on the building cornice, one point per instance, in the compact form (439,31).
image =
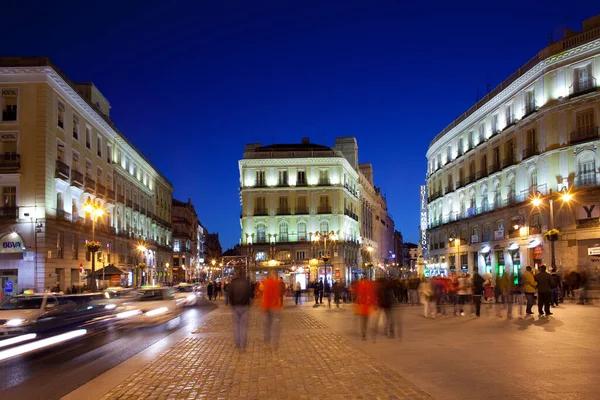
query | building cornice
(472,116)
(300,162)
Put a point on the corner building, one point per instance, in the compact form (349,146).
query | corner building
(59,150)
(290,195)
(533,136)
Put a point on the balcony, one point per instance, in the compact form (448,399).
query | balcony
(142,211)
(283,183)
(62,170)
(461,183)
(448,189)
(283,211)
(10,162)
(486,237)
(77,179)
(261,184)
(495,167)
(586,180)
(121,198)
(110,195)
(585,134)
(508,161)
(301,183)
(9,212)
(61,124)
(100,191)
(530,108)
(323,182)
(129,203)
(472,178)
(261,212)
(136,207)
(534,230)
(324,209)
(481,174)
(435,195)
(582,86)
(301,210)
(90,185)
(62,214)
(530,152)
(352,191)
(351,214)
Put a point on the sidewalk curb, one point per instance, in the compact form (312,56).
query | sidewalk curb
(105,382)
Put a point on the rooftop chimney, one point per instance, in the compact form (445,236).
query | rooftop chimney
(305,140)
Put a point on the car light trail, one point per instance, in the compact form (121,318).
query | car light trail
(18,339)
(29,347)
(127,314)
(157,311)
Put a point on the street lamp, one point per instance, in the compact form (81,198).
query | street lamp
(141,249)
(565,196)
(457,260)
(370,249)
(332,238)
(95,210)
(213,262)
(169,276)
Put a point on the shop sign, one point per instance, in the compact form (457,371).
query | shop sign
(474,239)
(498,235)
(424,219)
(28,256)
(8,137)
(11,243)
(537,253)
(338,274)
(588,211)
(593,251)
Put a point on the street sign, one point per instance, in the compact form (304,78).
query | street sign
(593,251)
(8,287)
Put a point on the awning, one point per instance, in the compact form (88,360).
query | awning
(485,249)
(533,243)
(513,246)
(109,270)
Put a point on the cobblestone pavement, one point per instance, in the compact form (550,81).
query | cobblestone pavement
(313,363)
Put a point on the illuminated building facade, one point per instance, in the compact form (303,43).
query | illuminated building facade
(60,150)
(535,136)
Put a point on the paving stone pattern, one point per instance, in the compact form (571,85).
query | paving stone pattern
(293,320)
(313,365)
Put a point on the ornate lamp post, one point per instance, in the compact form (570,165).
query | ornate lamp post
(332,239)
(552,235)
(95,210)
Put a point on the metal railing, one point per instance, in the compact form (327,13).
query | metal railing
(351,214)
(10,162)
(323,182)
(530,108)
(482,174)
(283,211)
(301,210)
(530,152)
(584,134)
(324,209)
(586,180)
(90,185)
(121,198)
(76,179)
(583,86)
(100,190)
(110,194)
(508,161)
(494,167)
(510,120)
(129,203)
(62,214)
(62,170)
(261,212)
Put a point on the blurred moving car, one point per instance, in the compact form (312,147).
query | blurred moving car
(186,294)
(151,305)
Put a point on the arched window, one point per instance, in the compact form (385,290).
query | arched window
(475,234)
(533,181)
(512,196)
(484,199)
(586,170)
(302,231)
(283,232)
(324,227)
(261,256)
(261,233)
(497,196)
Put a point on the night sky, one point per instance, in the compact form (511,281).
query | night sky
(190,83)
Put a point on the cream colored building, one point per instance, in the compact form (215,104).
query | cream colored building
(535,135)
(59,150)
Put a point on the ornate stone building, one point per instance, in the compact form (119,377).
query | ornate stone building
(525,153)
(60,150)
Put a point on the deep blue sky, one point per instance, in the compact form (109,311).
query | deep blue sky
(192,82)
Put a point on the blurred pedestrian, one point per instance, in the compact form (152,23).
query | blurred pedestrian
(515,295)
(385,300)
(556,287)
(321,290)
(585,285)
(209,290)
(463,285)
(281,290)
(488,289)
(327,289)
(529,285)
(240,292)
(316,292)
(413,290)
(365,303)
(226,292)
(271,304)
(298,292)
(452,291)
(427,297)
(337,293)
(544,288)
(478,288)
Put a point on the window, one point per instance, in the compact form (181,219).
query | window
(261,233)
(9,104)
(448,154)
(496,153)
(484,200)
(88,168)
(460,146)
(283,232)
(99,174)
(484,165)
(509,115)
(472,170)
(260,178)
(176,246)
(439,160)
(283,178)
(324,205)
(99,146)
(109,181)
(487,236)
(529,102)
(497,196)
(495,124)
(283,255)
(471,139)
(9,196)
(61,115)
(60,151)
(585,129)
(535,223)
(75,247)
(88,137)
(261,206)
(475,234)
(75,162)
(261,256)
(301,178)
(59,244)
(324,227)
(301,207)
(302,231)
(301,255)
(533,182)
(109,153)
(583,79)
(75,127)
(586,170)
(482,132)
(283,206)
(511,191)
(323,177)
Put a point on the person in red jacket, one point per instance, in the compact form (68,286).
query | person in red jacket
(270,304)
(452,291)
(366,301)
